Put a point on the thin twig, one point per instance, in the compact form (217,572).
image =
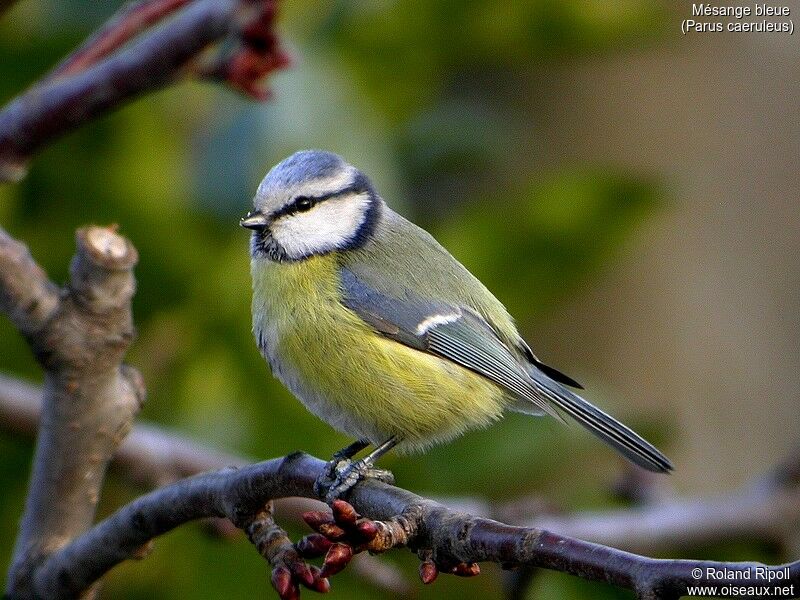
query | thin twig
(57,106)
(157,58)
(127,23)
(754,512)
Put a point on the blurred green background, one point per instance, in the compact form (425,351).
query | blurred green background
(552,145)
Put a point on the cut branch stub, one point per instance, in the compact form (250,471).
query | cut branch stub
(90,398)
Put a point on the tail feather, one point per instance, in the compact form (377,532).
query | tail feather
(604,426)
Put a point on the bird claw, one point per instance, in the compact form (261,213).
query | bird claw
(342,474)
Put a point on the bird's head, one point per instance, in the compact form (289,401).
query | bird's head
(309,204)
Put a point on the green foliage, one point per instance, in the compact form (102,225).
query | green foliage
(408,53)
(549,233)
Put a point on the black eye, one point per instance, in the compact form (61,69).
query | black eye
(303,204)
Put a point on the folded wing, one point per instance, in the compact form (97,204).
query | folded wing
(460,335)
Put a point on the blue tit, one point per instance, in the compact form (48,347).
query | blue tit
(381,333)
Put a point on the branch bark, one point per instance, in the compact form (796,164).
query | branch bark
(239,494)
(150,456)
(79,336)
(92,82)
(129,21)
(766,509)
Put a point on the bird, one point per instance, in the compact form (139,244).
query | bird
(380,332)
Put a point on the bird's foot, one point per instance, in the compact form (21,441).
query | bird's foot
(328,476)
(342,474)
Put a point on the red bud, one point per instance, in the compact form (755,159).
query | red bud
(428,572)
(331,531)
(344,513)
(336,559)
(467,569)
(313,545)
(315,518)
(283,584)
(367,530)
(302,573)
(321,584)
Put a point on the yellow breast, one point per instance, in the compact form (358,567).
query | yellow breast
(360,382)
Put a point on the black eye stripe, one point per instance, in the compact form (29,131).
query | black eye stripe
(305,203)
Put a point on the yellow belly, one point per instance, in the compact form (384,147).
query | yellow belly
(362,383)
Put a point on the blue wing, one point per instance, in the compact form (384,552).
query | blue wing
(460,335)
(455,333)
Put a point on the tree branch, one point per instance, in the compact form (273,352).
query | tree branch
(151,456)
(759,512)
(763,510)
(27,296)
(239,494)
(79,336)
(128,22)
(768,510)
(89,84)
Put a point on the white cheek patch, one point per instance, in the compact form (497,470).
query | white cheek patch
(329,226)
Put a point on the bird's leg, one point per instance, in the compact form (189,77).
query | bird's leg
(348,473)
(367,464)
(350,451)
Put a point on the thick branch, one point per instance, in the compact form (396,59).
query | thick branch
(79,335)
(27,296)
(764,510)
(151,456)
(239,494)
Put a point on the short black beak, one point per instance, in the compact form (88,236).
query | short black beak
(254,220)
